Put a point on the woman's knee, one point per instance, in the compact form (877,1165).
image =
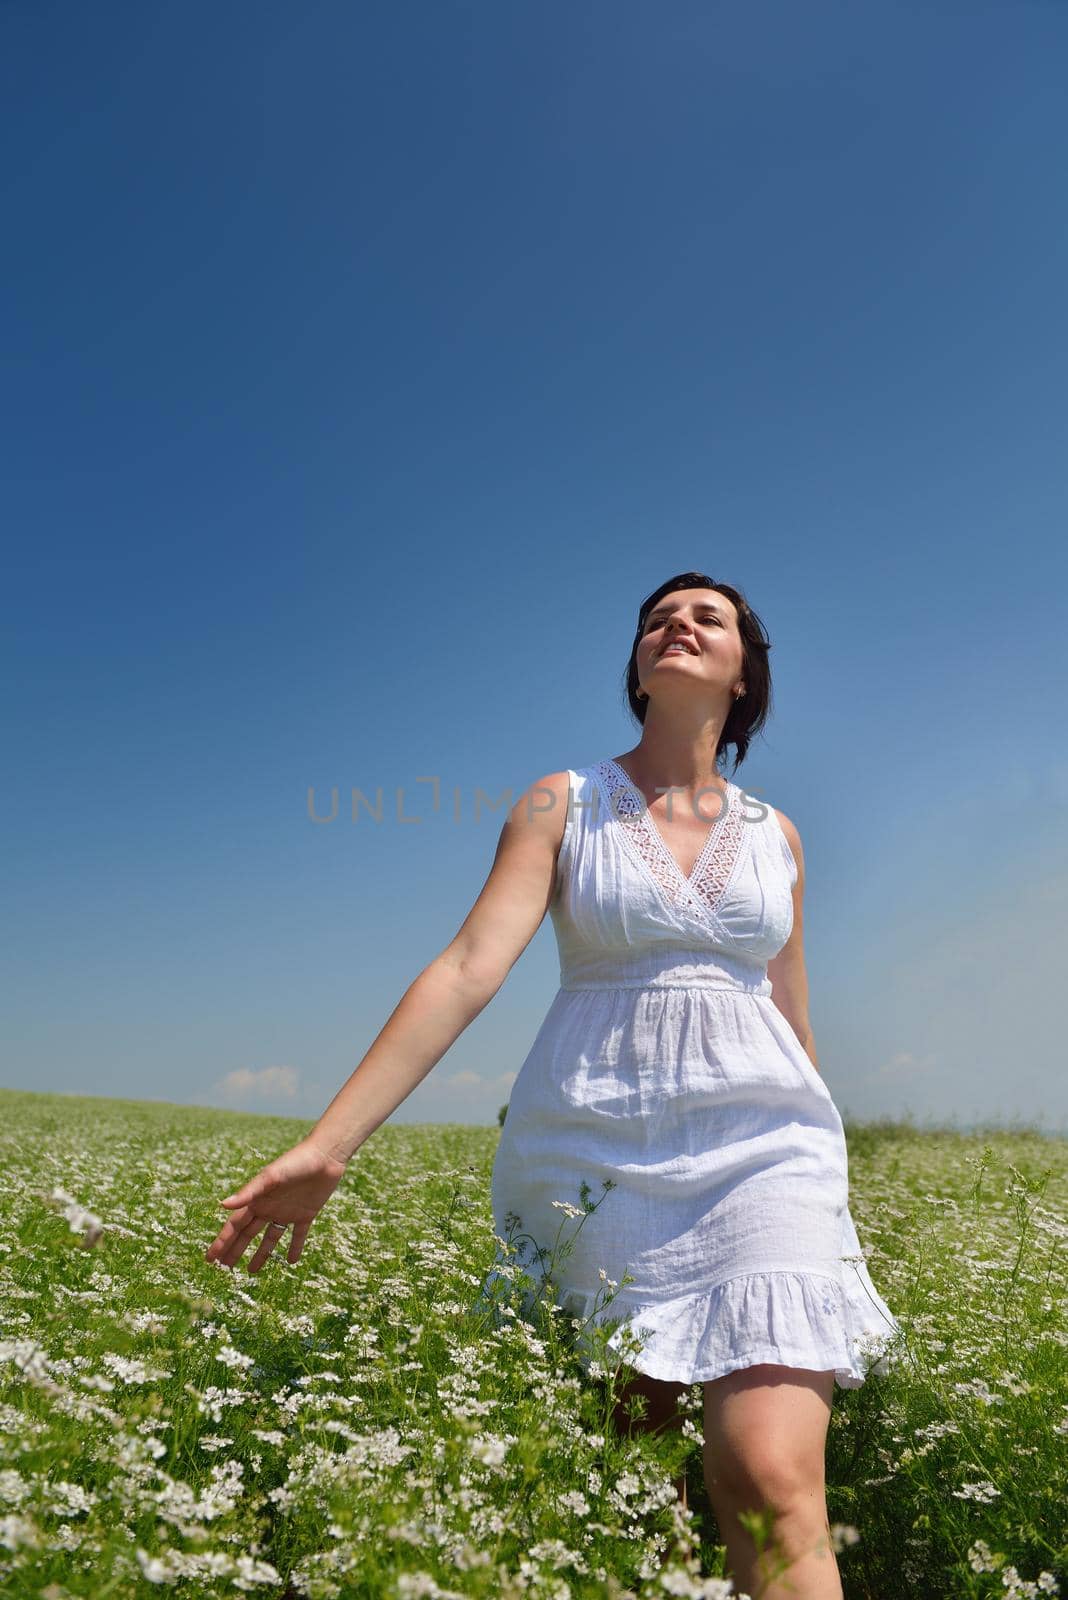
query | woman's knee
(765,1437)
(766,1483)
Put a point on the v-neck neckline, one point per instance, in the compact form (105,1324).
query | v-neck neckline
(689,880)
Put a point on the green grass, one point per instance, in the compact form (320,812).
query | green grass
(352,1426)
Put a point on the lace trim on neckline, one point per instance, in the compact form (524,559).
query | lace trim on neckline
(712,871)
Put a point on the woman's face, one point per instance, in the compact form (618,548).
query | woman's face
(705,623)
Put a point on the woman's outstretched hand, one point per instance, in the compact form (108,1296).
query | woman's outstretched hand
(291,1189)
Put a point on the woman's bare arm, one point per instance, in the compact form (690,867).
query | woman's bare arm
(789,979)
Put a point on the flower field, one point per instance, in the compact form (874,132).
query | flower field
(358,1425)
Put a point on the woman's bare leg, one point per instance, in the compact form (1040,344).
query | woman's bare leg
(765,1446)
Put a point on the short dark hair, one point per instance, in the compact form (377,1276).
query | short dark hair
(749,713)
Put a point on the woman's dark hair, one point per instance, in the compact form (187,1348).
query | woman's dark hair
(749,713)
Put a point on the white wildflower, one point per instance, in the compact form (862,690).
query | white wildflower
(980,1558)
(983,1491)
(16,1531)
(233,1358)
(82,1222)
(152,1568)
(488,1449)
(130,1371)
(250,1572)
(13,1487)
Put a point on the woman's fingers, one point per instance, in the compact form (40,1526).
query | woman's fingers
(221,1243)
(235,1237)
(237,1234)
(270,1239)
(257,1260)
(296,1244)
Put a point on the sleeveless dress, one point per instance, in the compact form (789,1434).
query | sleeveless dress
(667,1121)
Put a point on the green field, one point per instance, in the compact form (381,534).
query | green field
(352,1426)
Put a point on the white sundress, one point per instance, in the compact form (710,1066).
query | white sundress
(664,1066)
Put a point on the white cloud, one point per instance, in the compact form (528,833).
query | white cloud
(905,1065)
(467,1079)
(264,1083)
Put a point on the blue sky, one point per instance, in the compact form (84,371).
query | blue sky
(365,367)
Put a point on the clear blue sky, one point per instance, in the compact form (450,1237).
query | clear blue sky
(364,367)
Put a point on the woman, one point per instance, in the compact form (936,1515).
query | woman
(676,1066)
